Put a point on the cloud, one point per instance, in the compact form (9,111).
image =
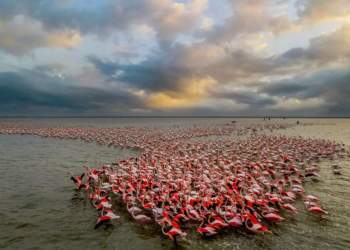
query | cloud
(22,34)
(250,17)
(168,84)
(29,92)
(166,17)
(78,15)
(167,76)
(167,56)
(325,49)
(321,10)
(289,88)
(240,66)
(253,99)
(327,92)
(192,92)
(154,74)
(300,106)
(171,17)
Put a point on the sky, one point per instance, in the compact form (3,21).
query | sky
(175,57)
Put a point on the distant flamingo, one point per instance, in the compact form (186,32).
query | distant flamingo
(273,217)
(78,181)
(173,232)
(253,225)
(317,210)
(141,218)
(106,218)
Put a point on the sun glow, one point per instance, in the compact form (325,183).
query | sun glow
(192,92)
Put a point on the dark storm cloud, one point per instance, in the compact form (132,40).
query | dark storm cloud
(107,69)
(331,86)
(253,99)
(334,87)
(288,88)
(154,74)
(22,92)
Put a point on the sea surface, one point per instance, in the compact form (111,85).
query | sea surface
(39,208)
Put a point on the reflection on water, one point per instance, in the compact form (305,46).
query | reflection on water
(39,208)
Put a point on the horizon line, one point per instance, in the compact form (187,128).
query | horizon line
(167,116)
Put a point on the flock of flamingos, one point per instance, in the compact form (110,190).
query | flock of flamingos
(206,178)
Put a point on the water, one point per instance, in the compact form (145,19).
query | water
(39,208)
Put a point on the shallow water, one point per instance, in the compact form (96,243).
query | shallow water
(39,208)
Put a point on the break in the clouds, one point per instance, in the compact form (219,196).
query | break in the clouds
(184,57)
